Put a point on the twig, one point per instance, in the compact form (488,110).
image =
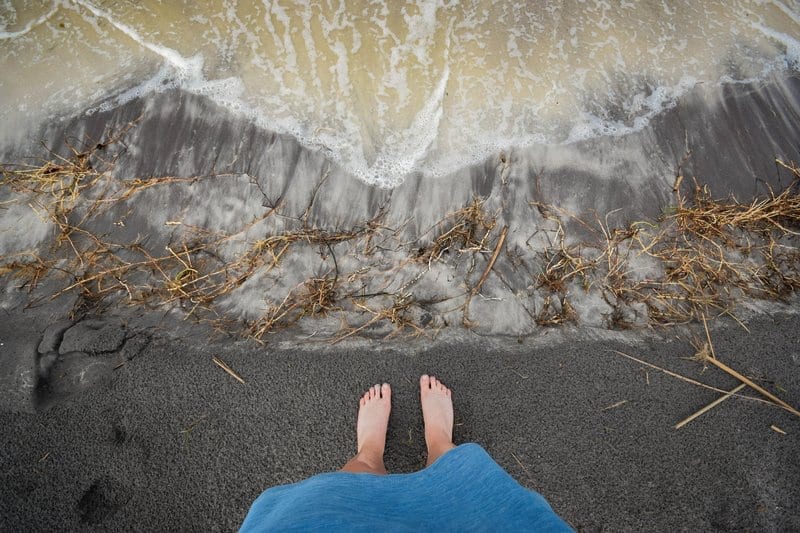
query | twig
(520,463)
(689,380)
(615,405)
(220,363)
(710,406)
(497,248)
(708,337)
(722,366)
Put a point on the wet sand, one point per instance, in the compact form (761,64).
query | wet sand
(223,176)
(726,137)
(170,441)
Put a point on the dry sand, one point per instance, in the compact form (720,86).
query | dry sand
(169,441)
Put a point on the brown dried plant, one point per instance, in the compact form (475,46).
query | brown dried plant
(465,230)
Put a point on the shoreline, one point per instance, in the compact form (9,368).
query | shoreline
(246,247)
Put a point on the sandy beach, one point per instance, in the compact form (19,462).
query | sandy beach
(172,442)
(221,224)
(115,417)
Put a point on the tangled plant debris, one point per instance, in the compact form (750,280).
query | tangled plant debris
(701,259)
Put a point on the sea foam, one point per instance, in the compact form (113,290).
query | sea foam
(427,88)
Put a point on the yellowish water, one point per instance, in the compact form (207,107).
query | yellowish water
(385,87)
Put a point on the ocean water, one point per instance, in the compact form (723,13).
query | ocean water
(567,121)
(388,89)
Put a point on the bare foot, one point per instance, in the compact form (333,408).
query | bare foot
(437,412)
(373,421)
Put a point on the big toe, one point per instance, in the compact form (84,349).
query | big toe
(425,382)
(386,391)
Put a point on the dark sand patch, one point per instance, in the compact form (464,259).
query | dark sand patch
(174,442)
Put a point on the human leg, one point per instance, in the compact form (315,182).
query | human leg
(373,421)
(437,412)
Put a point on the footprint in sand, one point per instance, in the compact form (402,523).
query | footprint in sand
(73,358)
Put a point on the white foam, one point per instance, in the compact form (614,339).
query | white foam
(645,107)
(792,57)
(31,24)
(401,157)
(793,15)
(189,69)
(418,110)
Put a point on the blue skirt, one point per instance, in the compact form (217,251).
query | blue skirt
(463,490)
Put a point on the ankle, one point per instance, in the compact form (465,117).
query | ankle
(437,450)
(371,458)
(357,465)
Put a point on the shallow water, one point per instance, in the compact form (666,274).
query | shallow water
(389,88)
(359,134)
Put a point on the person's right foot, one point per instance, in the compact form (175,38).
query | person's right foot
(437,412)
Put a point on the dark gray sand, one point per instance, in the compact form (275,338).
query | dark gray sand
(169,441)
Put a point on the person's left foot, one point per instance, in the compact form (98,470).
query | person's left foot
(373,421)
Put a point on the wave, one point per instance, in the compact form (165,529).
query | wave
(434,108)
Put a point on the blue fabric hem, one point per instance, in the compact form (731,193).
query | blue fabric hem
(464,489)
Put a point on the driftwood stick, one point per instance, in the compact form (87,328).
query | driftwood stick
(710,406)
(711,357)
(690,380)
(722,366)
(496,253)
(220,363)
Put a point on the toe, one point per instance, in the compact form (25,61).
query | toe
(362,401)
(425,382)
(386,391)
